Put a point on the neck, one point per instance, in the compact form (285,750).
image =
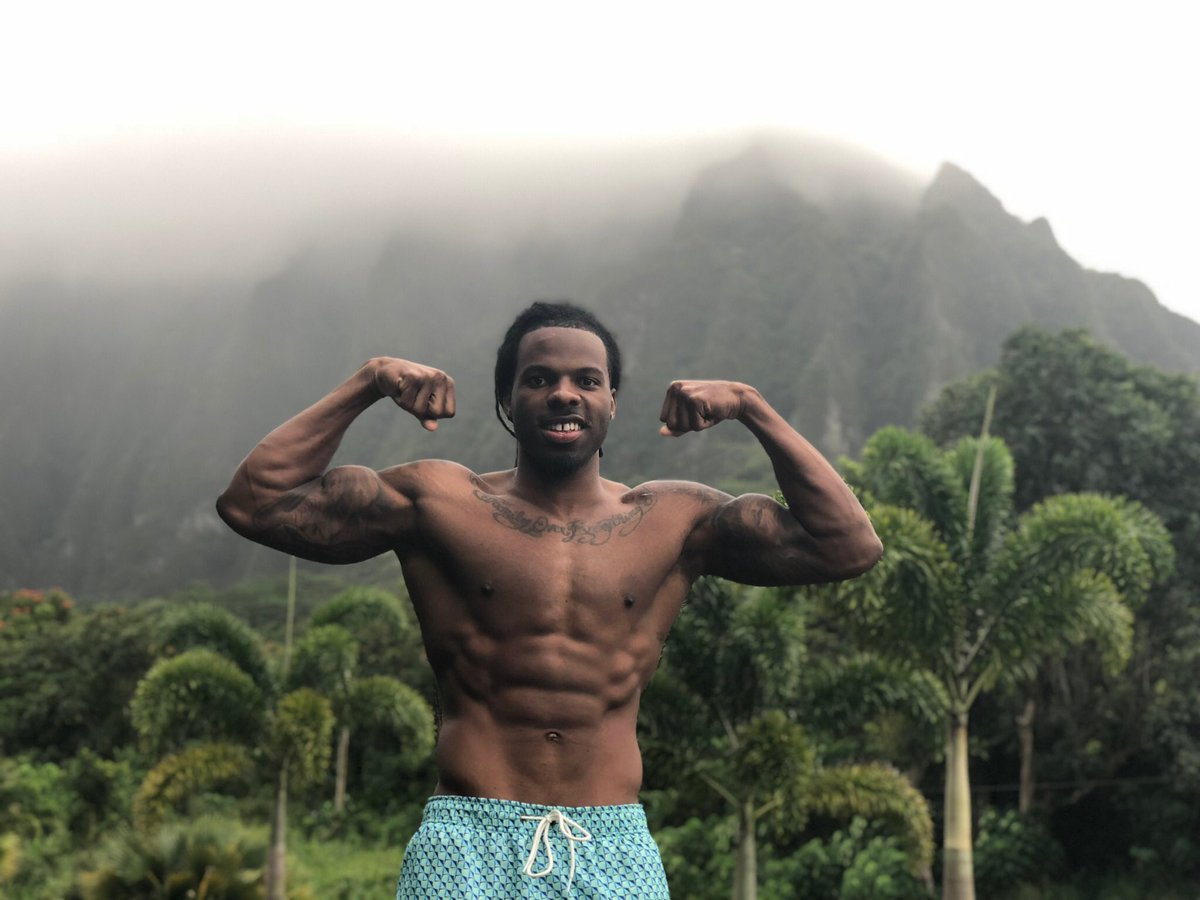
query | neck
(533,483)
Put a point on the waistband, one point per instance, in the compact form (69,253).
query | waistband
(493,815)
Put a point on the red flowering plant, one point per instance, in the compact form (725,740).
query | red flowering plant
(27,609)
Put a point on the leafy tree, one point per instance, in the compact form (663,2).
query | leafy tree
(196,696)
(213,628)
(975,601)
(298,748)
(720,709)
(358,632)
(197,708)
(383,627)
(1014,848)
(210,859)
(36,810)
(65,684)
(1078,416)
(26,610)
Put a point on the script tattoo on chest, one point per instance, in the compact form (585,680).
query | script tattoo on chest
(576,531)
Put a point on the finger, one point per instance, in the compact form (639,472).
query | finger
(441,404)
(671,400)
(410,397)
(666,431)
(676,420)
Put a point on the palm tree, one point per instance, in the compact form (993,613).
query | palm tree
(975,598)
(721,708)
(206,720)
(205,860)
(347,638)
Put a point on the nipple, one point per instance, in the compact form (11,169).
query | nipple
(628,601)
(486,589)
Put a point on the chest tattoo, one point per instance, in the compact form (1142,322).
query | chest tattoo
(576,531)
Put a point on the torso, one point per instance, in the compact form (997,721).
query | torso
(543,631)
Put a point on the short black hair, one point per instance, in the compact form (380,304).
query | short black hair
(548,315)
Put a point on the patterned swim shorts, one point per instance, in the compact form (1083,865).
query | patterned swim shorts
(469,847)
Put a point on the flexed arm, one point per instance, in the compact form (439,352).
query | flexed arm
(283,496)
(822,535)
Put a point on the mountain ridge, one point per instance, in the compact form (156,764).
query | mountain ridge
(126,412)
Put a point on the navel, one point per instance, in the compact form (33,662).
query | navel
(553,737)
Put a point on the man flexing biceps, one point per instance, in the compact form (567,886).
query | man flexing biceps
(544,592)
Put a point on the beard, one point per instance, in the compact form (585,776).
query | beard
(557,463)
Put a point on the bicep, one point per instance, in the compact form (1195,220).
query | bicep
(349,514)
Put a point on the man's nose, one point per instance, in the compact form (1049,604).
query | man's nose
(564,393)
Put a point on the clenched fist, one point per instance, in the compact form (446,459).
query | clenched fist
(697,405)
(425,392)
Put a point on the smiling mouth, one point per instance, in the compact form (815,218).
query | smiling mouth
(563,432)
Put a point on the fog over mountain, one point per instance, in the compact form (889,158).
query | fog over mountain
(162,307)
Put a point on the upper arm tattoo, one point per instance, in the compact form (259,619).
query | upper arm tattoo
(335,518)
(757,541)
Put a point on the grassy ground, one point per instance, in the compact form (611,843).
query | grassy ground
(336,870)
(1110,888)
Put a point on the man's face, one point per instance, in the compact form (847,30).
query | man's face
(561,401)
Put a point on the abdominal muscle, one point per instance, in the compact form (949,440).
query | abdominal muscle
(543,719)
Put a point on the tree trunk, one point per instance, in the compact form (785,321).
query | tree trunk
(343,763)
(1025,736)
(958,867)
(277,855)
(745,873)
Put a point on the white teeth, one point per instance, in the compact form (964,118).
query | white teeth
(565,426)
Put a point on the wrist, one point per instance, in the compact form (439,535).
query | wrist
(368,378)
(751,403)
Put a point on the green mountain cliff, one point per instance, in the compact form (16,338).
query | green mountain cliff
(848,300)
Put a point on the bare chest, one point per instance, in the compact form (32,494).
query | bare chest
(510,567)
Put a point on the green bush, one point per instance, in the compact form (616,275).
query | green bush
(856,863)
(37,807)
(212,858)
(1013,849)
(697,858)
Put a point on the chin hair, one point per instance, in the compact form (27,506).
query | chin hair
(560,463)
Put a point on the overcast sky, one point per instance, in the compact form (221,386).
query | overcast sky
(1080,112)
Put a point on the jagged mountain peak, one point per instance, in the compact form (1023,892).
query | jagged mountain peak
(959,189)
(792,265)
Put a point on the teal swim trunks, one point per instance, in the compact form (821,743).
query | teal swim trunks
(469,847)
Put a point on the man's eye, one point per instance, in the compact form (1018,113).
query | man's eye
(589,382)
(535,381)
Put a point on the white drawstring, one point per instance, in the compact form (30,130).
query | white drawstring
(542,834)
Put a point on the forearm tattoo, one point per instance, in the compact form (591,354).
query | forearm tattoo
(575,531)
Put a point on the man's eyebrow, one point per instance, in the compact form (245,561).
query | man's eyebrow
(542,367)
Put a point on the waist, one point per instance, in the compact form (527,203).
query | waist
(491,815)
(478,757)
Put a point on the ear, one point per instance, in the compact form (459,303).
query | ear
(612,414)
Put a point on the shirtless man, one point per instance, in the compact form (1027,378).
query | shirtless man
(544,592)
